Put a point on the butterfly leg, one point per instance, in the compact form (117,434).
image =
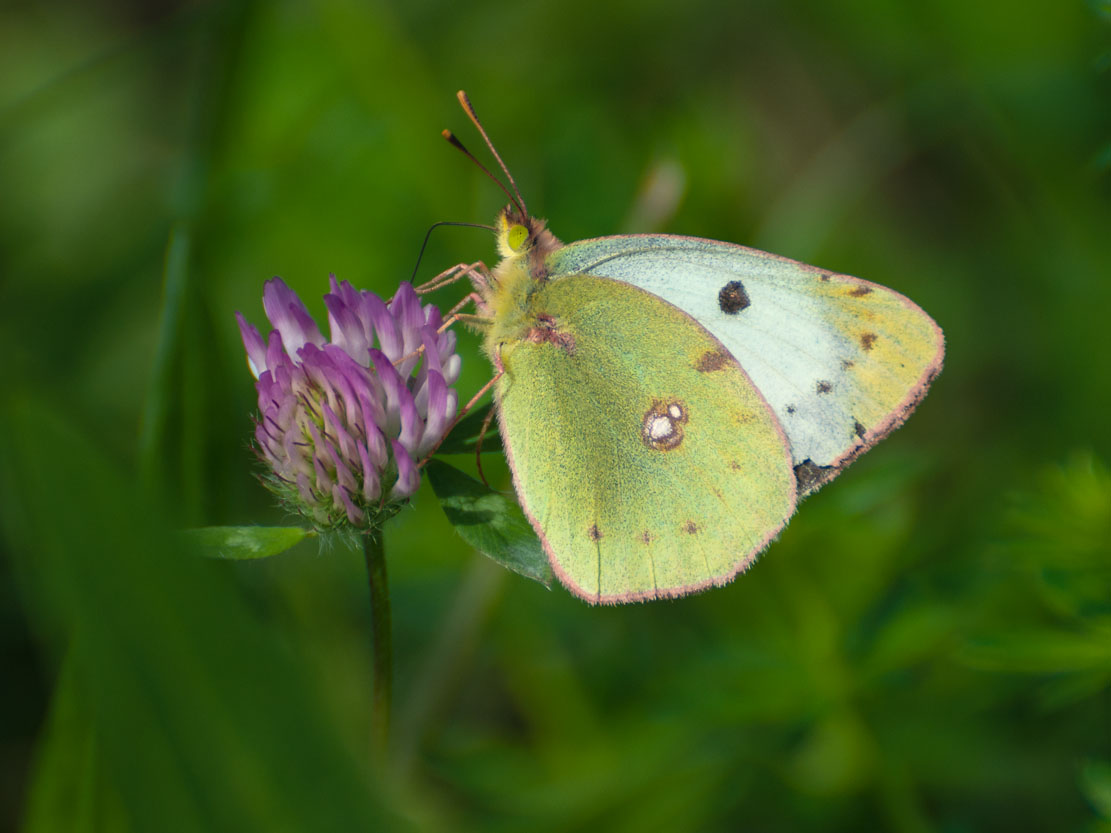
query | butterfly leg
(489,415)
(479,276)
(478,444)
(477,272)
(454,314)
(482,392)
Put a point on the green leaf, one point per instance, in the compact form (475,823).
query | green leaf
(490,522)
(243,542)
(464,437)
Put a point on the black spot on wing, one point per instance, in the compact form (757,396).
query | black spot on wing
(732,298)
(594,533)
(823,386)
(810,477)
(859,429)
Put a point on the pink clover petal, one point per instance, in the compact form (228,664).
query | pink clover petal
(322,450)
(351,413)
(408,475)
(304,488)
(263,441)
(412,426)
(430,366)
(323,481)
(375,312)
(253,343)
(452,367)
(348,377)
(452,406)
(376,447)
(319,366)
(406,307)
(283,377)
(275,352)
(266,388)
(344,476)
(288,314)
(270,441)
(348,331)
(342,439)
(432,317)
(445,346)
(437,422)
(372,485)
(294,450)
(374,416)
(350,296)
(393,387)
(354,513)
(334,366)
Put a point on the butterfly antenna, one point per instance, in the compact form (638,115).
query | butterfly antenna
(428,235)
(454,140)
(468,108)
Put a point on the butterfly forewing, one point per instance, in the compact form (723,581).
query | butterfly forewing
(647,461)
(840,361)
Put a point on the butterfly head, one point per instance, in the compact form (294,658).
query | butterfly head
(521,235)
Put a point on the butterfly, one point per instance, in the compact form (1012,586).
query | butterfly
(664,402)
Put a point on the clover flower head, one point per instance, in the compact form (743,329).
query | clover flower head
(343,423)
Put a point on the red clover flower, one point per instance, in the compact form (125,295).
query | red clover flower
(342,424)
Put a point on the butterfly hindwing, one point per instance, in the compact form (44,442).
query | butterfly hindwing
(647,461)
(840,361)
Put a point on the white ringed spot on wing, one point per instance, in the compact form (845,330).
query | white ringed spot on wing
(662,426)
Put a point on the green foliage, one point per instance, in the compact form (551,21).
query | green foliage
(171,692)
(1054,561)
(243,542)
(490,522)
(925,647)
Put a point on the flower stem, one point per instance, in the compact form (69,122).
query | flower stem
(375,552)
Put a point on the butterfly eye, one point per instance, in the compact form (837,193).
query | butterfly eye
(516,236)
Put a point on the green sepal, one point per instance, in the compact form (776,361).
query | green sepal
(240,543)
(463,438)
(490,522)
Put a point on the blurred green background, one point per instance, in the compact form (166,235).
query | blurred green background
(926,648)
